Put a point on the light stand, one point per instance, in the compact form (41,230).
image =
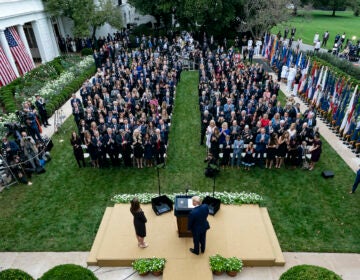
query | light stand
(161,165)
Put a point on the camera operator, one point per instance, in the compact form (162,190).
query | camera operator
(40,105)
(9,149)
(30,150)
(19,171)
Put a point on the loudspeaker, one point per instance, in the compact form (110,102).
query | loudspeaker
(161,204)
(327,174)
(213,203)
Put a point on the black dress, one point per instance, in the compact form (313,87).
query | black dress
(139,223)
(148,151)
(138,150)
(315,155)
(282,150)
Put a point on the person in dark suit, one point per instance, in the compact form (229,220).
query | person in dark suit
(198,225)
(139,222)
(261,140)
(9,148)
(40,105)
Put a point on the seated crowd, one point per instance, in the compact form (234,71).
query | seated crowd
(123,114)
(242,121)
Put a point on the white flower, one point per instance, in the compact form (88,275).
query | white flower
(225,197)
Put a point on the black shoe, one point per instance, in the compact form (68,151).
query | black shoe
(193,251)
(351,192)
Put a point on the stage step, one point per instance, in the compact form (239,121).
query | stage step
(189,269)
(92,258)
(279,257)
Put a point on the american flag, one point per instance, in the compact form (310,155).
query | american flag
(7,74)
(18,50)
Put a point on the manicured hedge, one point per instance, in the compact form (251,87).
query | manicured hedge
(68,272)
(7,93)
(14,274)
(342,66)
(86,51)
(56,101)
(309,272)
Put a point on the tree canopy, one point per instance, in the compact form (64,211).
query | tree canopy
(86,15)
(217,17)
(332,5)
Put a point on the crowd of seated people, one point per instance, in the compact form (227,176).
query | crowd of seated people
(123,114)
(244,124)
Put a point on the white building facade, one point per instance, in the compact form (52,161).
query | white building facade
(34,27)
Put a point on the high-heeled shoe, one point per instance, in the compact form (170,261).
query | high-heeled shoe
(143,245)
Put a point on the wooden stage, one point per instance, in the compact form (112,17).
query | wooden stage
(243,231)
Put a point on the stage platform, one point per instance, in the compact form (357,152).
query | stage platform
(243,231)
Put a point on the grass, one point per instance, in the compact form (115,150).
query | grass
(62,210)
(307,23)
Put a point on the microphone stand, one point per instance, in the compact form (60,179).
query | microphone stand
(161,165)
(214,186)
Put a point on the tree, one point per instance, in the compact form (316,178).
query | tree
(333,5)
(218,17)
(261,15)
(162,10)
(86,15)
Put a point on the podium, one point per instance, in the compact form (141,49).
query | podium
(183,206)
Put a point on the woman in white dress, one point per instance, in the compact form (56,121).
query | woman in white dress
(258,47)
(209,132)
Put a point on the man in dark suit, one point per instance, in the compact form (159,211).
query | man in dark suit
(261,141)
(40,105)
(198,224)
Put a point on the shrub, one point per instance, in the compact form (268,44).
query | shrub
(86,51)
(68,272)
(14,274)
(339,65)
(309,272)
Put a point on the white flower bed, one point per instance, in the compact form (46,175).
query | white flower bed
(56,86)
(225,197)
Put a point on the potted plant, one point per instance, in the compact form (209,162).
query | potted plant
(157,266)
(233,266)
(142,266)
(217,264)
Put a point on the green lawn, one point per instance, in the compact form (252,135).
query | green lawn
(307,23)
(62,210)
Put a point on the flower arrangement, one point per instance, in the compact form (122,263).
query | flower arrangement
(146,265)
(157,264)
(225,197)
(142,265)
(233,264)
(217,263)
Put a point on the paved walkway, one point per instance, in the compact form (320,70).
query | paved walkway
(346,265)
